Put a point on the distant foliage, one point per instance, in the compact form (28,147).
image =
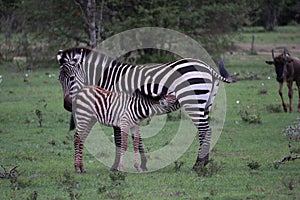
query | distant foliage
(250,115)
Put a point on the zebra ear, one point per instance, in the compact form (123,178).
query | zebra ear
(59,56)
(78,58)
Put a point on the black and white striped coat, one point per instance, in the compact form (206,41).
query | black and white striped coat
(194,83)
(94,104)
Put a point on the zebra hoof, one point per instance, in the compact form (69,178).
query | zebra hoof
(79,170)
(113,169)
(200,162)
(144,168)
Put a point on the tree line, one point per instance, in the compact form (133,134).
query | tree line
(37,29)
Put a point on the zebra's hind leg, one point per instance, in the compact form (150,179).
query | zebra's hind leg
(117,137)
(136,143)
(200,119)
(204,141)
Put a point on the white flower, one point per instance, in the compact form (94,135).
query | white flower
(237,101)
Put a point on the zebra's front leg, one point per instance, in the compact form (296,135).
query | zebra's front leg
(124,145)
(83,129)
(78,155)
(143,156)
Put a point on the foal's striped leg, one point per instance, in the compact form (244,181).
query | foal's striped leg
(83,129)
(124,145)
(136,142)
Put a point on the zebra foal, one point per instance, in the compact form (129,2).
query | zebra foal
(94,104)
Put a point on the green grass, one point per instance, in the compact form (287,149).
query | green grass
(44,155)
(285,35)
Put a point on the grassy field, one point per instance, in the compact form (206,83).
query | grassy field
(244,155)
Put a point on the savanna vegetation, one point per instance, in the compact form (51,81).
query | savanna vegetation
(36,151)
(34,138)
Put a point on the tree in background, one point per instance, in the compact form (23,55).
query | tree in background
(269,14)
(43,27)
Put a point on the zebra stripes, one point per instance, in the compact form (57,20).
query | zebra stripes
(112,109)
(120,110)
(194,83)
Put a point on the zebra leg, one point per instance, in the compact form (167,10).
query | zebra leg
(142,152)
(204,141)
(78,156)
(136,143)
(200,120)
(117,137)
(143,156)
(83,129)
(124,145)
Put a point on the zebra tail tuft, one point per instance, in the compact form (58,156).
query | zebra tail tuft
(224,72)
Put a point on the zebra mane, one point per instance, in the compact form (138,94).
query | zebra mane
(151,98)
(67,55)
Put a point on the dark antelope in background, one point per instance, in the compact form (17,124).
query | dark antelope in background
(287,70)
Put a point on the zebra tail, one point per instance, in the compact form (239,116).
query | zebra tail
(72,124)
(225,75)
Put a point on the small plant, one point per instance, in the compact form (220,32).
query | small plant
(274,108)
(250,115)
(292,132)
(289,182)
(113,188)
(254,165)
(38,113)
(117,177)
(208,170)
(263,91)
(70,185)
(14,177)
(103,187)
(33,196)
(178,165)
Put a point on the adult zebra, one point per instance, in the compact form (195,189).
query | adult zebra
(194,83)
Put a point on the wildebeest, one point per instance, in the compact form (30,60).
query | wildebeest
(287,70)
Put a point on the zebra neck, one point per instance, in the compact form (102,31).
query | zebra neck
(156,109)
